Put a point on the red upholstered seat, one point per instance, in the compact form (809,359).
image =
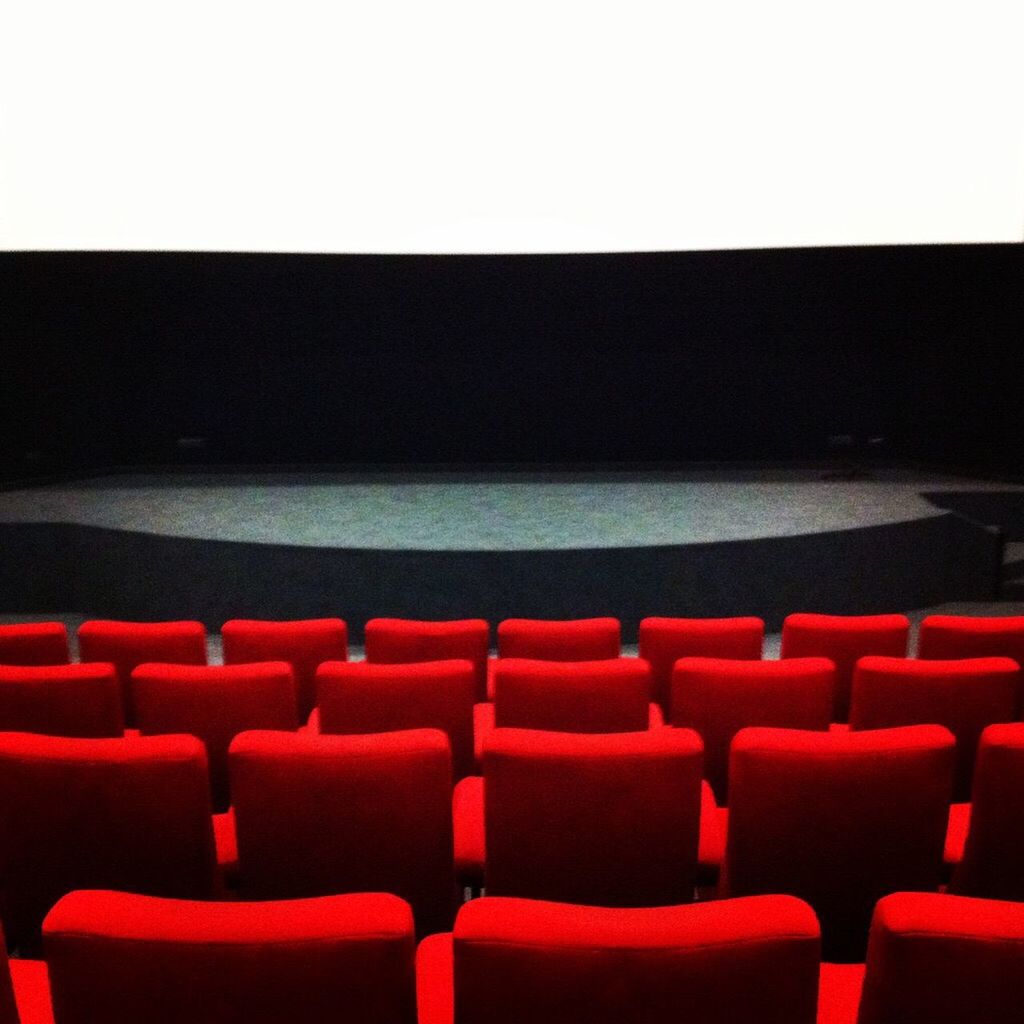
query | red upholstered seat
(663,641)
(61,700)
(839,987)
(360,697)
(838,819)
(993,856)
(938,959)
(128,644)
(718,696)
(515,960)
(24,990)
(117,958)
(304,643)
(396,641)
(214,703)
(34,643)
(132,814)
(972,636)
(964,695)
(328,814)
(844,639)
(606,820)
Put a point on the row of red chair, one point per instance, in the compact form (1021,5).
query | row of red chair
(117,958)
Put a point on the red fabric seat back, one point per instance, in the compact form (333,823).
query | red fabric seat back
(61,700)
(214,703)
(560,639)
(663,641)
(608,820)
(396,641)
(359,697)
(520,960)
(131,814)
(993,862)
(34,643)
(124,959)
(8,1004)
(304,643)
(937,959)
(844,639)
(329,814)
(572,696)
(964,695)
(838,819)
(972,636)
(128,644)
(717,697)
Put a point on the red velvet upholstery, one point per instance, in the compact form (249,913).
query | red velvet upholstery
(128,644)
(839,988)
(24,990)
(718,696)
(360,697)
(609,820)
(663,641)
(964,695)
(329,814)
(61,700)
(396,641)
(936,959)
(993,858)
(512,961)
(121,959)
(844,639)
(214,703)
(34,643)
(838,819)
(972,636)
(304,643)
(131,814)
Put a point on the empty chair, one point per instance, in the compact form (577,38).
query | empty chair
(396,641)
(117,958)
(360,697)
(964,695)
(131,813)
(844,639)
(663,641)
(61,700)
(24,990)
(330,814)
(609,820)
(214,703)
(972,636)
(127,644)
(304,643)
(515,960)
(718,696)
(838,819)
(34,643)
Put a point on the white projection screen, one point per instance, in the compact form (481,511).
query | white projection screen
(479,127)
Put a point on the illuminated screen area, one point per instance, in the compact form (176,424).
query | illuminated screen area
(476,127)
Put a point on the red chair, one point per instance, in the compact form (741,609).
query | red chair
(936,959)
(515,960)
(972,636)
(130,814)
(356,697)
(304,643)
(844,639)
(34,643)
(61,700)
(993,845)
(964,695)
(557,640)
(214,703)
(398,641)
(838,819)
(116,958)
(610,820)
(717,697)
(663,641)
(128,644)
(24,990)
(329,814)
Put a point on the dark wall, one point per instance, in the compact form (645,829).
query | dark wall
(754,354)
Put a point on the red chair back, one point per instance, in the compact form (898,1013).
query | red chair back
(560,639)
(972,636)
(61,700)
(34,643)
